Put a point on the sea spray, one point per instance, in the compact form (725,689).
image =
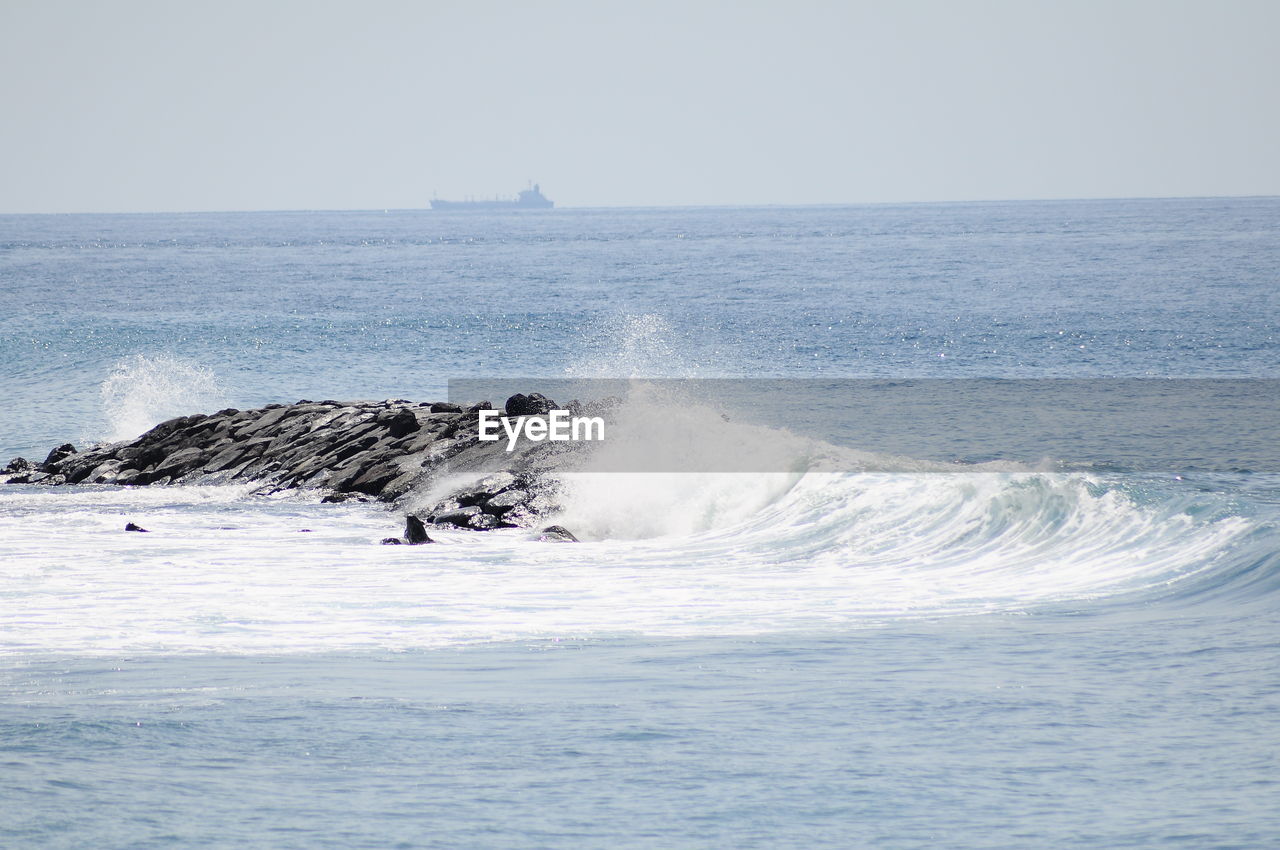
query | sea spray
(647,345)
(144,390)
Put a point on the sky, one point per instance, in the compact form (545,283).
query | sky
(134,105)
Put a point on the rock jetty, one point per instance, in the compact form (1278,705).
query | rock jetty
(422,456)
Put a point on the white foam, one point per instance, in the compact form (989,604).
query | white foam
(222,571)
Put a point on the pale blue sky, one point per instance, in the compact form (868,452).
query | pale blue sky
(277,104)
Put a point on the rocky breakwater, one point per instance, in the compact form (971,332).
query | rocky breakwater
(426,457)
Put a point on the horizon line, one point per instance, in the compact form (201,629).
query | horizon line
(830,204)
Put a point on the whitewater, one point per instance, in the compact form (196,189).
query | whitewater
(898,653)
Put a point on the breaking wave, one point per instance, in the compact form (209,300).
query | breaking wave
(142,391)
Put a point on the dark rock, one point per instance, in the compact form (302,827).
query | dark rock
(182,462)
(446,407)
(334,498)
(18,464)
(400,423)
(459,424)
(128,454)
(533,404)
(352,449)
(415,533)
(392,541)
(229,456)
(260,424)
(170,427)
(79,473)
(557,534)
(377,449)
(461,517)
(107,472)
(128,526)
(397,487)
(59,454)
(372,480)
(479,406)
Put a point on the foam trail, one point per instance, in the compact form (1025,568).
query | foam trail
(143,391)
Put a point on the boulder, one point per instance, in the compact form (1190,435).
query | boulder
(59,454)
(128,526)
(400,422)
(229,456)
(106,472)
(505,501)
(182,462)
(18,464)
(446,407)
(477,497)
(483,522)
(533,404)
(415,533)
(373,479)
(557,534)
(460,517)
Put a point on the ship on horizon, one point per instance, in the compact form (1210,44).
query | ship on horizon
(528,199)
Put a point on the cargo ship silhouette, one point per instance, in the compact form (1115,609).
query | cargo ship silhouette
(528,199)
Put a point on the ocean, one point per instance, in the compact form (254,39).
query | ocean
(1028,655)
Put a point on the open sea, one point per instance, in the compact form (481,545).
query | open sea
(1012,659)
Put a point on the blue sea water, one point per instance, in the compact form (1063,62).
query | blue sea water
(1018,659)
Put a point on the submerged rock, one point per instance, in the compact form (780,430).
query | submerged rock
(557,534)
(415,533)
(128,526)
